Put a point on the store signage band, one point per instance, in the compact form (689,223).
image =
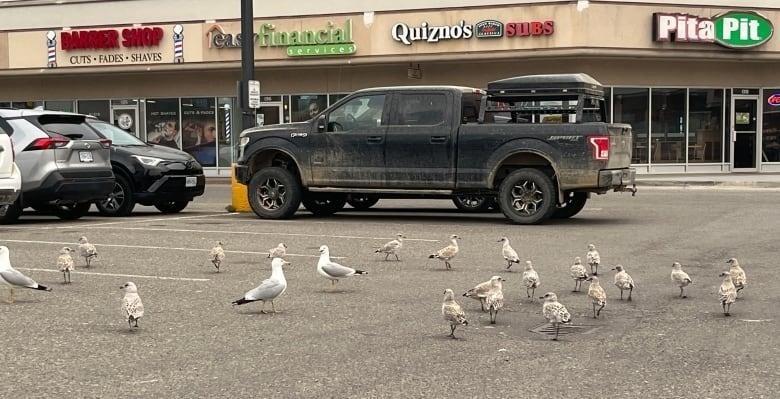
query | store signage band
(733,29)
(487,29)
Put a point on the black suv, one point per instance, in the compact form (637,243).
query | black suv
(147,174)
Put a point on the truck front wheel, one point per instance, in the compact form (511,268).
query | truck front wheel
(274,193)
(527,196)
(574,203)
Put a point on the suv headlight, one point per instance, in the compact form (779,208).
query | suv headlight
(148,161)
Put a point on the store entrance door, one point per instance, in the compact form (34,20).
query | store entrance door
(744,133)
(269,114)
(125,117)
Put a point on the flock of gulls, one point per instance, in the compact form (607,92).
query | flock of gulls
(489,293)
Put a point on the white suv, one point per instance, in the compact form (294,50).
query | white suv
(10,178)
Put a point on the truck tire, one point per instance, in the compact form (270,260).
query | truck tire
(472,203)
(120,202)
(168,207)
(11,213)
(70,211)
(575,201)
(324,204)
(362,201)
(274,193)
(527,196)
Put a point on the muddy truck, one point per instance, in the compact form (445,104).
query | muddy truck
(536,146)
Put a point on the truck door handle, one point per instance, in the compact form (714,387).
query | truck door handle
(438,139)
(374,139)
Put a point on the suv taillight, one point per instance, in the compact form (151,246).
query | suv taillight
(600,147)
(47,143)
(105,143)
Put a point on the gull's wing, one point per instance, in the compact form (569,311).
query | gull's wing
(336,270)
(390,246)
(14,277)
(133,306)
(447,252)
(266,290)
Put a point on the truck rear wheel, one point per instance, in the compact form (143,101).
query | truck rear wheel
(527,196)
(274,193)
(324,204)
(472,203)
(362,201)
(574,203)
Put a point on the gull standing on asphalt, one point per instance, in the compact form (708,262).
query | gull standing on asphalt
(14,278)
(270,289)
(480,292)
(392,247)
(447,253)
(217,255)
(554,312)
(452,312)
(278,252)
(530,279)
(65,263)
(623,281)
(578,273)
(332,270)
(727,293)
(87,250)
(509,254)
(131,304)
(737,274)
(680,278)
(597,295)
(494,300)
(594,259)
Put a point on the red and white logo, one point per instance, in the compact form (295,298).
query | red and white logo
(774,100)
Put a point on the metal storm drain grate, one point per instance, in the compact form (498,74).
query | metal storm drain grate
(565,329)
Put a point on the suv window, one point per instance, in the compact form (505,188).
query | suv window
(115,134)
(420,109)
(357,113)
(24,133)
(69,126)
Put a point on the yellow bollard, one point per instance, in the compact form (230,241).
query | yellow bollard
(239,199)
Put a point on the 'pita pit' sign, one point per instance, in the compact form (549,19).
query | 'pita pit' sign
(734,29)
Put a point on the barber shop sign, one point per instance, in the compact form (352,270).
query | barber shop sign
(734,29)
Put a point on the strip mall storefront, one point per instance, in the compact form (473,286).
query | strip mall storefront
(699,85)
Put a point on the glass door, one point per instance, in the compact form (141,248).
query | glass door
(269,114)
(126,118)
(744,134)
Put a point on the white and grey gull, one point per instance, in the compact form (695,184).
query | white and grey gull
(680,278)
(87,250)
(509,253)
(268,290)
(738,276)
(594,259)
(554,312)
(452,313)
(332,270)
(727,293)
(217,255)
(132,306)
(623,281)
(65,263)
(447,253)
(278,252)
(14,278)
(530,279)
(578,272)
(392,247)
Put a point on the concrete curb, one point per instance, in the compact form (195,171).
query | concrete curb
(707,183)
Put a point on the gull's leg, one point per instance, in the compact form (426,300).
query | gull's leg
(630,291)
(397,258)
(64,277)
(262,308)
(452,330)
(596,273)
(621,294)
(602,307)
(533,291)
(386,255)
(557,327)
(723,304)
(728,310)
(575,286)
(527,293)
(273,307)
(130,322)
(482,303)
(136,323)
(594,311)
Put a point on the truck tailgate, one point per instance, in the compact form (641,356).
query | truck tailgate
(619,146)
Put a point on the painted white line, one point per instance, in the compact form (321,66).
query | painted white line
(154,247)
(131,220)
(116,275)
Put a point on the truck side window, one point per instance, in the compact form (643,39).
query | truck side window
(357,113)
(420,110)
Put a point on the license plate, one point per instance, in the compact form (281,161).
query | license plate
(190,181)
(86,156)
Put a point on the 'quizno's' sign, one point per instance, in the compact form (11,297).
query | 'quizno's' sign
(734,29)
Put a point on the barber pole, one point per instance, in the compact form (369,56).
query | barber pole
(51,45)
(227,122)
(178,44)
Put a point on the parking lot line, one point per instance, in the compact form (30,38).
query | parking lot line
(134,220)
(117,275)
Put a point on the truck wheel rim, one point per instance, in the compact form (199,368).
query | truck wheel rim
(472,201)
(526,197)
(272,194)
(115,199)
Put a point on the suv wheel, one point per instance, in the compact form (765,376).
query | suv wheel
(324,204)
(120,202)
(362,201)
(274,193)
(171,206)
(472,203)
(70,211)
(575,201)
(527,196)
(10,213)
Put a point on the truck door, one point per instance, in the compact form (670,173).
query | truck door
(420,144)
(352,154)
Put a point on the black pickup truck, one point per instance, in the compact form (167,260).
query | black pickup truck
(537,144)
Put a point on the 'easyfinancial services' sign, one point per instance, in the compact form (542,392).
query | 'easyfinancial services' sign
(734,29)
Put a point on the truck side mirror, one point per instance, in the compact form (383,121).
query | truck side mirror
(321,125)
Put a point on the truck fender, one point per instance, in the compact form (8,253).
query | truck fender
(528,146)
(281,145)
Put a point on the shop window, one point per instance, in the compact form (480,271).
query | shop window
(199,130)
(27,104)
(162,122)
(100,109)
(228,123)
(770,147)
(305,107)
(705,129)
(667,121)
(63,106)
(630,106)
(5,104)
(333,98)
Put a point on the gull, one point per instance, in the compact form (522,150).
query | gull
(597,295)
(392,247)
(217,255)
(279,252)
(452,312)
(270,289)
(494,300)
(594,259)
(680,278)
(87,250)
(623,281)
(131,304)
(554,312)
(737,274)
(509,254)
(727,292)
(332,270)
(578,273)
(14,278)
(447,253)
(65,263)
(530,279)
(480,292)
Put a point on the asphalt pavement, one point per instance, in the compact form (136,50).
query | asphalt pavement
(381,335)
